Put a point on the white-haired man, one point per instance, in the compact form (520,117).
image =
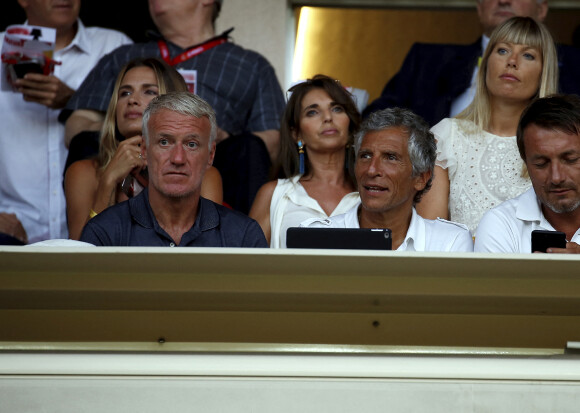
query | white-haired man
(180,130)
(395,157)
(239,84)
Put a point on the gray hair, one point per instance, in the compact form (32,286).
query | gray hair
(184,103)
(421,146)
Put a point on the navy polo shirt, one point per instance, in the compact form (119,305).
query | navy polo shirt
(132,223)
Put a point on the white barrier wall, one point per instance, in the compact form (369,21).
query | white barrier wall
(63,383)
(220,330)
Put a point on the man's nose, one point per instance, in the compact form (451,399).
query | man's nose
(177,154)
(557,173)
(374,167)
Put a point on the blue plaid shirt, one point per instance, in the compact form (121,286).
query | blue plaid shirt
(239,84)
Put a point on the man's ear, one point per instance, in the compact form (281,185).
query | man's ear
(211,154)
(542,11)
(420,181)
(23,3)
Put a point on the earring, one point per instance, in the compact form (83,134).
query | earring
(301,156)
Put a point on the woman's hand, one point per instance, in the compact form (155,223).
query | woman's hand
(127,159)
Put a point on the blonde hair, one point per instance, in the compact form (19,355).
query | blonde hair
(517,30)
(168,79)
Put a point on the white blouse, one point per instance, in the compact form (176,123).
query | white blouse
(292,205)
(484,169)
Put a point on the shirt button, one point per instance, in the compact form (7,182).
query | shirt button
(171,244)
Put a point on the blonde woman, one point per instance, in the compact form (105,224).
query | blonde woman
(478,164)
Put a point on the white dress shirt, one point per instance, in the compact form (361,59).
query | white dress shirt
(422,235)
(32,150)
(508,227)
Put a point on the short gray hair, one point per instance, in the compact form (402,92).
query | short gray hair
(421,146)
(185,103)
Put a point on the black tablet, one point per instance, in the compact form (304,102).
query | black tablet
(339,238)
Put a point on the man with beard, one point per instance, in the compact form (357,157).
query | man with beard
(548,138)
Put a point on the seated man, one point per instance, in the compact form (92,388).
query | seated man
(180,130)
(239,84)
(549,142)
(395,157)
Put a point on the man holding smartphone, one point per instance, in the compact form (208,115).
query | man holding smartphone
(548,138)
(32,150)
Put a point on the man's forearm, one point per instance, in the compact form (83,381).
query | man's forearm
(271,138)
(82,120)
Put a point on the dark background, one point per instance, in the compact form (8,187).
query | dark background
(128,16)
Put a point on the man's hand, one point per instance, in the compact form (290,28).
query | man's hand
(12,226)
(571,248)
(49,91)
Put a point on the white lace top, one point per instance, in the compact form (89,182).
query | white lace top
(484,169)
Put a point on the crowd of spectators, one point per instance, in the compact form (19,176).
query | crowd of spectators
(174,141)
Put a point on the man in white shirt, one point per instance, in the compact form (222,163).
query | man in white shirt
(548,138)
(32,150)
(395,157)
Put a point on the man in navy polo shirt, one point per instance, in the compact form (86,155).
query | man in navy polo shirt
(180,131)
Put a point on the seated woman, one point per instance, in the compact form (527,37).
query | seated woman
(119,171)
(316,137)
(478,163)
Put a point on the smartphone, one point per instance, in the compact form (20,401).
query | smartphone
(22,68)
(132,185)
(542,240)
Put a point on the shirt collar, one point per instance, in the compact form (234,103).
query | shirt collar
(484,43)
(81,40)
(141,211)
(415,238)
(207,216)
(528,209)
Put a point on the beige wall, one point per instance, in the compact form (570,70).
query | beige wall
(361,47)
(260,25)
